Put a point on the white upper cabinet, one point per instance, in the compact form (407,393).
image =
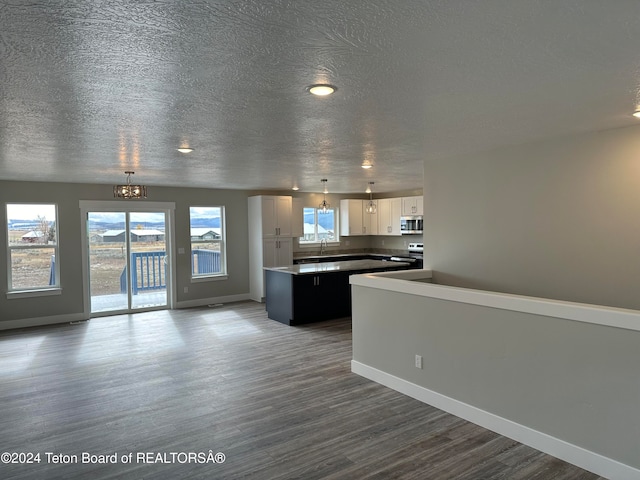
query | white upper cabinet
(412,206)
(276,216)
(369,220)
(297,218)
(351,218)
(389,213)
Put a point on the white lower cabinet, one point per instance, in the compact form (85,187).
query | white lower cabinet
(277,252)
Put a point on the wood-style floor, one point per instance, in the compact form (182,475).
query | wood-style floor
(280,402)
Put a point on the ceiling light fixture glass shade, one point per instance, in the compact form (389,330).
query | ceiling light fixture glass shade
(636,114)
(324,205)
(185,150)
(128,190)
(366,166)
(321,89)
(371,206)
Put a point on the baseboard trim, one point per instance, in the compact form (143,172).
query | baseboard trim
(588,460)
(201,302)
(76,317)
(40,321)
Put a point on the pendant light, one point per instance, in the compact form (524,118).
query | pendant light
(371,206)
(324,205)
(128,190)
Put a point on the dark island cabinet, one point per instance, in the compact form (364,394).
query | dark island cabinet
(296,299)
(321,296)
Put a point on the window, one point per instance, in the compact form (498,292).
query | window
(32,239)
(208,250)
(319,226)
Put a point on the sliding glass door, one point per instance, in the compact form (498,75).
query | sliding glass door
(128,262)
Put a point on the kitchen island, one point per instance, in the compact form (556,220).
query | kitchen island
(311,292)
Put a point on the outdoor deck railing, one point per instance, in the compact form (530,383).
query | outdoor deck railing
(150,269)
(149,272)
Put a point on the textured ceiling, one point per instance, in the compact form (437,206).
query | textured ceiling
(92,88)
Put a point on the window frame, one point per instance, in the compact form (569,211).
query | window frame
(336,231)
(222,241)
(38,290)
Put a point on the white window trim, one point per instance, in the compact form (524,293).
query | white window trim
(212,277)
(118,205)
(44,292)
(33,291)
(316,243)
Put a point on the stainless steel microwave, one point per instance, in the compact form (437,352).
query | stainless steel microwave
(411,225)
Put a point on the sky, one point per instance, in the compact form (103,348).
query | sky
(30,211)
(26,211)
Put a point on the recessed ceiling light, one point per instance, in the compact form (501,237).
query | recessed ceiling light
(321,89)
(636,114)
(185,150)
(295,188)
(366,165)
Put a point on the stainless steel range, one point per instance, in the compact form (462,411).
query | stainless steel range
(413,256)
(416,247)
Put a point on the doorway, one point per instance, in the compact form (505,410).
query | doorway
(128,267)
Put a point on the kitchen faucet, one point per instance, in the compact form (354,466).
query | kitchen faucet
(323,245)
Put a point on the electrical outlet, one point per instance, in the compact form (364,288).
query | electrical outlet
(186,290)
(419,361)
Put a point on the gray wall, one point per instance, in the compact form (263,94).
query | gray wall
(559,219)
(575,381)
(67,197)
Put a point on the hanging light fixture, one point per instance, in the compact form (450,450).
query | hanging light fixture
(371,206)
(324,205)
(128,190)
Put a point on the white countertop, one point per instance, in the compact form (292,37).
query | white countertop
(341,266)
(418,282)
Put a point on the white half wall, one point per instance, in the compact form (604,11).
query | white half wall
(566,387)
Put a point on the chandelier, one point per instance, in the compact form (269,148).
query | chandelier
(128,190)
(371,206)
(324,205)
